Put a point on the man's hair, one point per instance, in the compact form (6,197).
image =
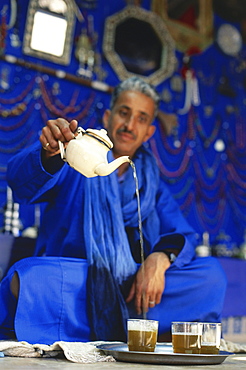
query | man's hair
(135,84)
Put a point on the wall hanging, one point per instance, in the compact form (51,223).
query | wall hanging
(136,41)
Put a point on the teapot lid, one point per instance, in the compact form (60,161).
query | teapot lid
(100,135)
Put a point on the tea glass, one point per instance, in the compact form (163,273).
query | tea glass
(211,335)
(142,334)
(186,337)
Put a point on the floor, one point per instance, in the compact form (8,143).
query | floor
(12,363)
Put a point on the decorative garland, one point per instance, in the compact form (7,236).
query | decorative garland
(170,174)
(19,97)
(27,140)
(186,205)
(207,140)
(58,112)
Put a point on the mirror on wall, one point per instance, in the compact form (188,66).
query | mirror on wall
(136,41)
(49,30)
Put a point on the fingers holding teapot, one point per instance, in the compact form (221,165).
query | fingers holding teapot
(57,130)
(60,129)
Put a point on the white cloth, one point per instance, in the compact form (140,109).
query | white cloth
(74,351)
(228,346)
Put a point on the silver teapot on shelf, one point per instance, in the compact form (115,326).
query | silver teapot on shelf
(87,153)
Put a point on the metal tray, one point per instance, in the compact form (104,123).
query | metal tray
(163,355)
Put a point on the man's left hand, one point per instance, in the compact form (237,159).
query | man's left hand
(149,283)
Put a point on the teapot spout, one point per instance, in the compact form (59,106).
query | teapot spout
(105,169)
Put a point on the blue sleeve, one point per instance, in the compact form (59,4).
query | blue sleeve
(175,232)
(27,177)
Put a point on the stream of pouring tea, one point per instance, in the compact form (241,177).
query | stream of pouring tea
(140,228)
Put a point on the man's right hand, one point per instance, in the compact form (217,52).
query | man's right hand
(55,130)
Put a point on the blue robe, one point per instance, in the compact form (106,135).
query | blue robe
(89,235)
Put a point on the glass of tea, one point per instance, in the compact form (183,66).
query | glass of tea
(211,335)
(186,337)
(142,335)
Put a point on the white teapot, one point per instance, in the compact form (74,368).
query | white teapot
(87,153)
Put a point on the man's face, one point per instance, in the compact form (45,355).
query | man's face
(129,122)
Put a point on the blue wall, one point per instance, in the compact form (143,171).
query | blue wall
(208,184)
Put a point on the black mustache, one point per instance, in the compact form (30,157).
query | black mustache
(125,130)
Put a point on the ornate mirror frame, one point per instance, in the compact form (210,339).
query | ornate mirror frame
(168,59)
(61,11)
(186,37)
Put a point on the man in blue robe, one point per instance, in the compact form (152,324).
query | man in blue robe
(86,277)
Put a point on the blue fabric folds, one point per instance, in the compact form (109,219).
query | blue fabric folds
(110,262)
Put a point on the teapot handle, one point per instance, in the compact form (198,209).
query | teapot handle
(62,150)
(79,131)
